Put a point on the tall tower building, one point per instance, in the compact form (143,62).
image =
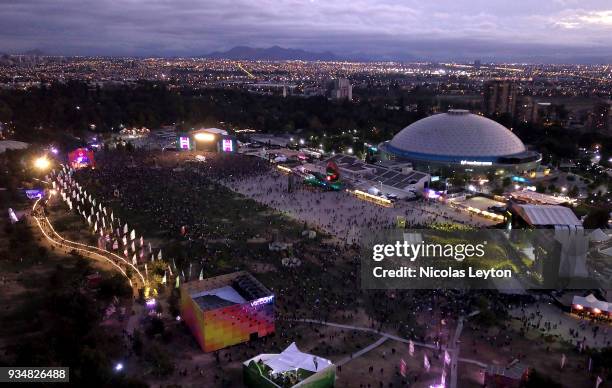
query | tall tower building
(500,97)
(342,89)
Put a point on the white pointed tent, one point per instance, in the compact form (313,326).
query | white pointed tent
(598,235)
(591,302)
(292,358)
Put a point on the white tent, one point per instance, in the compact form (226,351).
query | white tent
(598,235)
(591,302)
(292,359)
(607,251)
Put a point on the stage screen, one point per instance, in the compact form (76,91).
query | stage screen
(184,143)
(227,145)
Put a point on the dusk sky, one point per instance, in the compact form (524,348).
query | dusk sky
(404,29)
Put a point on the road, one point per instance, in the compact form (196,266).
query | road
(386,336)
(94,253)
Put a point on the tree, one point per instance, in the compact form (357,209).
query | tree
(506,182)
(115,285)
(573,192)
(596,218)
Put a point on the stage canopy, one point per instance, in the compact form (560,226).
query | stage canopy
(292,358)
(591,302)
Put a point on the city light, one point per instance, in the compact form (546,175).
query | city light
(42,163)
(119,367)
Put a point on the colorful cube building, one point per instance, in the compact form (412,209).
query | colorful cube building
(227,310)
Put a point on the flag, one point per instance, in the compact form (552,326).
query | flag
(152,257)
(125,229)
(443,378)
(426,363)
(159,257)
(164,278)
(133,235)
(150,250)
(562,361)
(447,358)
(141,241)
(177,282)
(598,382)
(96,226)
(183,273)
(411,348)
(190,264)
(201,274)
(590,363)
(134,259)
(112,216)
(115,245)
(124,241)
(133,247)
(170,270)
(403,367)
(125,252)
(146,271)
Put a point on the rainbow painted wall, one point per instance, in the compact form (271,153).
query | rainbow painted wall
(226,326)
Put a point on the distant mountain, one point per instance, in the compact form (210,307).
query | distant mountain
(36,52)
(274,53)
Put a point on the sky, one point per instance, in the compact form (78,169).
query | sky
(521,30)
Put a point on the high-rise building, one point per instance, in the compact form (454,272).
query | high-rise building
(342,89)
(500,97)
(530,110)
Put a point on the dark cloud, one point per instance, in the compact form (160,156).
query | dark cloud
(442,29)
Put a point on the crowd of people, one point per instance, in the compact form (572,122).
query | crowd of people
(177,197)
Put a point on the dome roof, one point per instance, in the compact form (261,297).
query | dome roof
(458,133)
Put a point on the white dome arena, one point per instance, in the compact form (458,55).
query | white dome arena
(458,133)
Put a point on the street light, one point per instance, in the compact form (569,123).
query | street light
(42,163)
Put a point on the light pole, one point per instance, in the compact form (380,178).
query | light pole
(42,163)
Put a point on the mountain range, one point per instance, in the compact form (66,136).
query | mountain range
(274,53)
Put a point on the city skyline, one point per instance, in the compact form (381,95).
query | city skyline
(557,31)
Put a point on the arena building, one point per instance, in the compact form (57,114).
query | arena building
(460,142)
